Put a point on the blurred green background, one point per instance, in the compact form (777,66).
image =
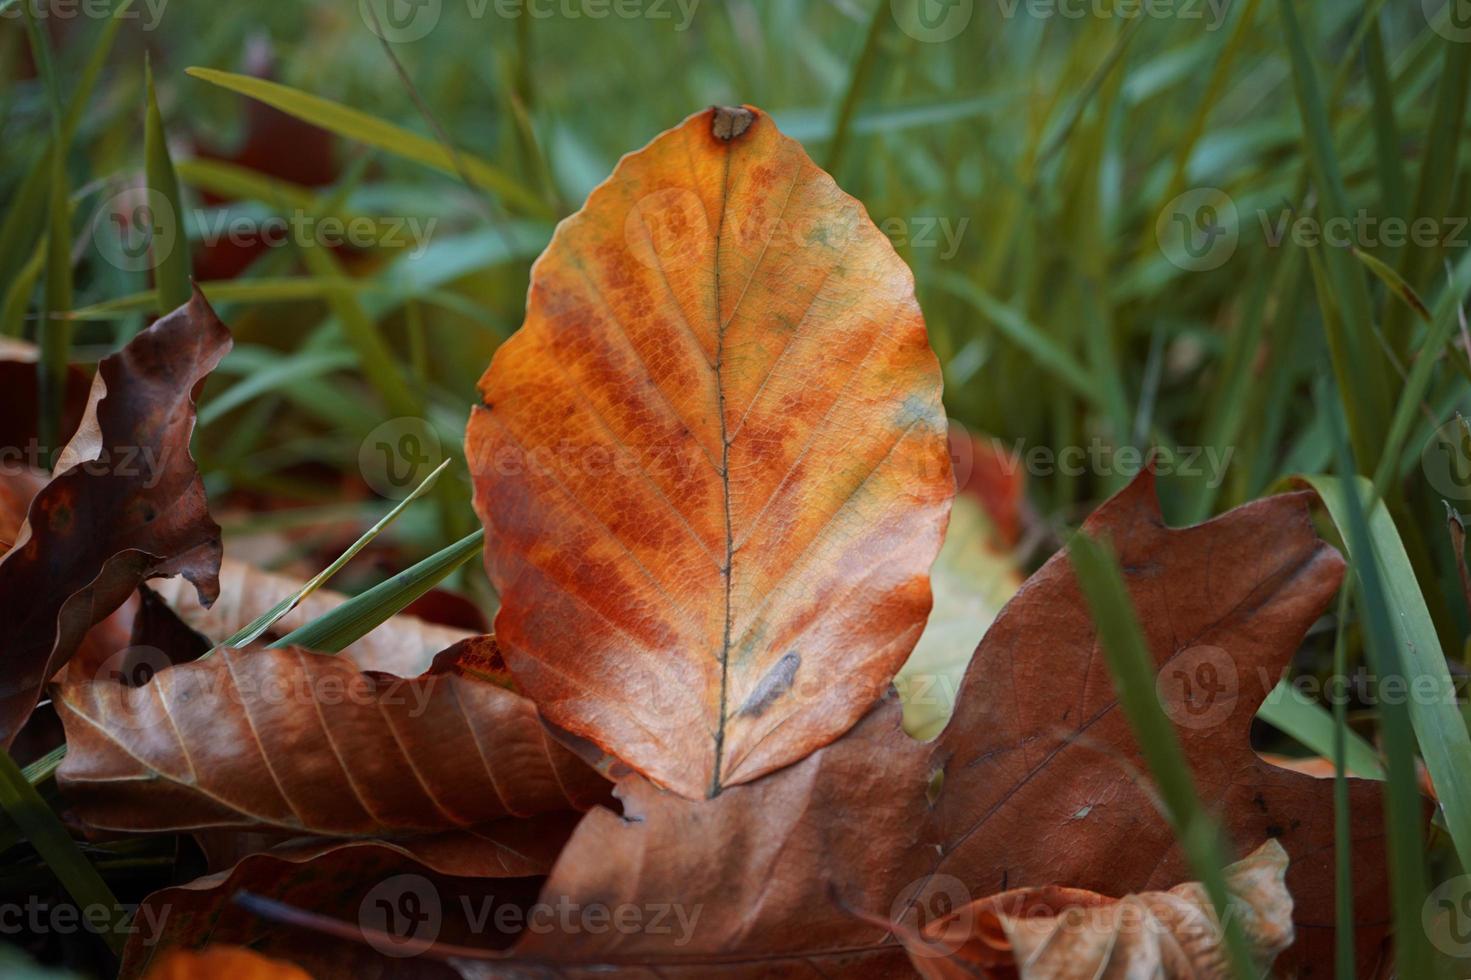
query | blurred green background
(1035,161)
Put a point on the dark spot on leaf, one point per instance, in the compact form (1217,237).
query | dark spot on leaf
(731,121)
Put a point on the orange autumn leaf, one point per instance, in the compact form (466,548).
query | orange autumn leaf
(712,462)
(234,962)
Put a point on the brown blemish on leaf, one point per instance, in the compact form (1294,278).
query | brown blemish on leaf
(729,122)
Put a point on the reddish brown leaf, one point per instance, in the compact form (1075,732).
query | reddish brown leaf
(442,891)
(1036,780)
(712,462)
(126,505)
(306,743)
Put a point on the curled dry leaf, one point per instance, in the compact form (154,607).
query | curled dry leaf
(235,962)
(306,743)
(712,462)
(126,504)
(450,892)
(1036,779)
(403,645)
(1058,933)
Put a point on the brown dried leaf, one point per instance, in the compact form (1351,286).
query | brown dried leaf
(1058,933)
(441,886)
(127,504)
(712,463)
(306,743)
(1036,779)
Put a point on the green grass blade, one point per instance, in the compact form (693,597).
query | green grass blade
(1442,325)
(253,630)
(1433,712)
(862,68)
(1357,367)
(1026,335)
(1133,670)
(1386,127)
(19,230)
(359,126)
(171,270)
(1295,714)
(46,833)
(1436,186)
(271,377)
(229,180)
(376,358)
(55,332)
(18,296)
(359,615)
(1397,285)
(1389,658)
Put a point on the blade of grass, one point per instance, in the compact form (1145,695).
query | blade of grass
(364,128)
(55,331)
(375,357)
(171,269)
(862,68)
(1029,337)
(257,627)
(1433,713)
(359,615)
(1382,607)
(18,296)
(18,232)
(43,828)
(1357,370)
(1386,127)
(1442,325)
(1294,713)
(1436,185)
(1132,666)
(1397,285)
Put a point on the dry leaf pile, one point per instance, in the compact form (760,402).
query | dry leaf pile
(714,474)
